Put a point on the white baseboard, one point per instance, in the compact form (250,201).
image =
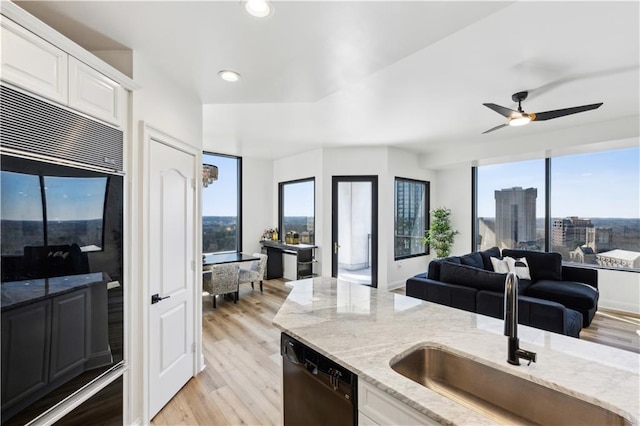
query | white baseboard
(619,306)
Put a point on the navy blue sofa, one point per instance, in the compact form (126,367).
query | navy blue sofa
(557,298)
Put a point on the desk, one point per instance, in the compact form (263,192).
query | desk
(220,258)
(302,255)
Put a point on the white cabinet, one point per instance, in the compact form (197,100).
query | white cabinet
(94,93)
(375,407)
(290,265)
(33,64)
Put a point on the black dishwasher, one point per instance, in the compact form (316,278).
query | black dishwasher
(316,390)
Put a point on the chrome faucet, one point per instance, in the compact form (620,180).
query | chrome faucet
(514,353)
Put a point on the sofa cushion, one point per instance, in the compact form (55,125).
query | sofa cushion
(487,255)
(456,296)
(433,272)
(472,259)
(471,277)
(543,266)
(533,312)
(570,294)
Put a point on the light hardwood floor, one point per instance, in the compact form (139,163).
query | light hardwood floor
(241,382)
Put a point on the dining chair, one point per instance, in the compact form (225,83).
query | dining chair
(255,272)
(222,279)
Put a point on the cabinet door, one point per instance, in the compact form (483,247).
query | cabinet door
(290,262)
(33,64)
(25,351)
(69,333)
(383,409)
(95,94)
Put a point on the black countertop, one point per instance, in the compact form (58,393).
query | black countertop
(19,293)
(284,246)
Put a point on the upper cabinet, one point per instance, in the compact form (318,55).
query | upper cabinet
(94,93)
(33,64)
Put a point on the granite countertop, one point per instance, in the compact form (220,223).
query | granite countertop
(19,293)
(363,329)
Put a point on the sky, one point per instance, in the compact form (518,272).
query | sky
(603,184)
(221,197)
(299,199)
(78,198)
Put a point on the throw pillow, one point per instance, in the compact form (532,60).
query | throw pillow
(500,265)
(543,266)
(487,255)
(520,267)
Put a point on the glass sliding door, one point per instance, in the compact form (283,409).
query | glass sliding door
(354,229)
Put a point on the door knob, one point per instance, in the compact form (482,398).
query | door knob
(155,298)
(335,247)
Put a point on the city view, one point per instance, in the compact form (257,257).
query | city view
(593,207)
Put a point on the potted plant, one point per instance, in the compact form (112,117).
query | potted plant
(440,235)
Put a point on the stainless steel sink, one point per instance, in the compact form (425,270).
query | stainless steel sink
(496,394)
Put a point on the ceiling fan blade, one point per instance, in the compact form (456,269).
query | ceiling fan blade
(548,115)
(495,128)
(506,112)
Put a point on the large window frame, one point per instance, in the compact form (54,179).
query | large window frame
(282,188)
(548,218)
(425,215)
(207,159)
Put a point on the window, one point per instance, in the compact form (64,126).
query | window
(411,218)
(75,207)
(296,212)
(511,206)
(595,208)
(221,218)
(74,211)
(591,215)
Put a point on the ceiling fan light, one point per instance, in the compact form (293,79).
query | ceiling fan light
(519,120)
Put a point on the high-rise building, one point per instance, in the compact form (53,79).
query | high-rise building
(515,216)
(570,231)
(410,218)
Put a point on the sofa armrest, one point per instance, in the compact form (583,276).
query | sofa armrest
(581,275)
(456,296)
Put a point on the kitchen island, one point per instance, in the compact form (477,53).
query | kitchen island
(364,329)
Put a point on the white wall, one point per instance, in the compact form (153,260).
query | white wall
(258,199)
(384,162)
(619,290)
(160,103)
(453,191)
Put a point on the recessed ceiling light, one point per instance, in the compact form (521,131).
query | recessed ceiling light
(259,8)
(228,75)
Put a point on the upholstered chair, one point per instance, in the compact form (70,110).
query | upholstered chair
(255,272)
(222,279)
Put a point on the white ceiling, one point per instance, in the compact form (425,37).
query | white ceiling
(409,74)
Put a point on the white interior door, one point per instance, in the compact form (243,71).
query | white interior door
(171,271)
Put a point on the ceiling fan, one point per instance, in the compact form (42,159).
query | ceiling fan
(520,118)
